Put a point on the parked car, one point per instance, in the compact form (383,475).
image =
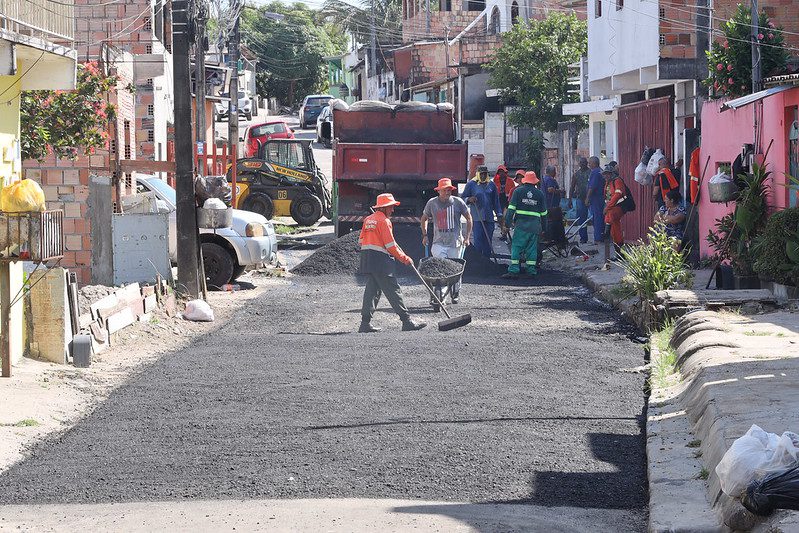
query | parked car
(227,252)
(324,127)
(244,106)
(312,105)
(258,134)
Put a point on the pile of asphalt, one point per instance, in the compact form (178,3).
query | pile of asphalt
(340,256)
(438,267)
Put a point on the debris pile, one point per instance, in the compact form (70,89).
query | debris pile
(341,256)
(437,267)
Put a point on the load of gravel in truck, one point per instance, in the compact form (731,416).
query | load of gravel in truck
(439,267)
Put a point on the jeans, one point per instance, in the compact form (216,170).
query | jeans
(582,216)
(597,212)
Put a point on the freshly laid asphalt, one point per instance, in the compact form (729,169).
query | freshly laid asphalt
(531,404)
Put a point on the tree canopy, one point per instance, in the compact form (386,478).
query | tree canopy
(291,48)
(531,68)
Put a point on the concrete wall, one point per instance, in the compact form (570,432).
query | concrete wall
(724,133)
(494,135)
(622,40)
(50,329)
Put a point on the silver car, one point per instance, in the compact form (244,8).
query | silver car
(227,252)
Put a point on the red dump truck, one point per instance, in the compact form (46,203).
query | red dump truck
(402,149)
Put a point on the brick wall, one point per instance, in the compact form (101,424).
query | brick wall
(677,20)
(66,183)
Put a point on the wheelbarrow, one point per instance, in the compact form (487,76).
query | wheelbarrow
(442,287)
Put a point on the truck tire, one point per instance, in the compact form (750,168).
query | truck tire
(237,272)
(261,203)
(306,209)
(219,265)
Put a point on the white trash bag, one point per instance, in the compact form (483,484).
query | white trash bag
(753,456)
(652,167)
(720,177)
(642,176)
(198,311)
(214,203)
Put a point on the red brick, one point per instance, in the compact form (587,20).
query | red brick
(83,258)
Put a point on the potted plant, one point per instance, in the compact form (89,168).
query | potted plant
(736,232)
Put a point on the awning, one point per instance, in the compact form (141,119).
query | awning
(754,97)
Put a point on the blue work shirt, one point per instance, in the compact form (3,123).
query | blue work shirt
(553,198)
(596,183)
(487,199)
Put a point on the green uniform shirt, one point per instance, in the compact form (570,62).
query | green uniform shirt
(528,209)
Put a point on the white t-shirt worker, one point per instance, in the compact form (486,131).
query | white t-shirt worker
(446,211)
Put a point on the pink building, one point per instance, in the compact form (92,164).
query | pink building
(725,131)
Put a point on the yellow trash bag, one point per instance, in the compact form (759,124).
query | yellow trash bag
(22,196)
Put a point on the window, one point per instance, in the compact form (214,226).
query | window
(151,109)
(317,101)
(267,129)
(494,25)
(619,4)
(597,8)
(286,154)
(445,5)
(150,135)
(514,12)
(475,5)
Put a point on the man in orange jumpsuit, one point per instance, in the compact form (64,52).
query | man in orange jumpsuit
(379,253)
(665,181)
(615,190)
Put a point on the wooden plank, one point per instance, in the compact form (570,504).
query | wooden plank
(136,165)
(704,297)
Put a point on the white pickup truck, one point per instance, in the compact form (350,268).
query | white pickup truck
(227,252)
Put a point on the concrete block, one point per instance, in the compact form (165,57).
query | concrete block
(50,330)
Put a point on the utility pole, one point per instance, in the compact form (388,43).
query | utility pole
(233,106)
(373,44)
(199,83)
(188,273)
(756,65)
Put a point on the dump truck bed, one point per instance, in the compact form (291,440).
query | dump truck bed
(398,162)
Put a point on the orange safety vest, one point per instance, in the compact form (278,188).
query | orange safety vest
(377,235)
(672,181)
(693,172)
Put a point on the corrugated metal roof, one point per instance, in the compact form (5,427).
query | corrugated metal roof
(754,97)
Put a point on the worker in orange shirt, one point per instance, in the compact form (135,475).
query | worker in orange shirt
(615,190)
(379,253)
(664,182)
(693,172)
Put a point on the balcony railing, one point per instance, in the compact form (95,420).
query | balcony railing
(48,19)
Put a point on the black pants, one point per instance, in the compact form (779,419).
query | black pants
(377,284)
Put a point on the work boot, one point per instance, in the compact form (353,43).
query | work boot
(455,298)
(366,327)
(410,325)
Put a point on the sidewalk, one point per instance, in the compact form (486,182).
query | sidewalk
(733,371)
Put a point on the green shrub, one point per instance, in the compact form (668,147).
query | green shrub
(654,266)
(772,260)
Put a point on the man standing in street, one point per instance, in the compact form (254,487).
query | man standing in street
(527,212)
(379,253)
(595,198)
(483,199)
(579,195)
(615,191)
(551,188)
(446,211)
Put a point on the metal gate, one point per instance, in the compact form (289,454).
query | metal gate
(642,124)
(515,143)
(793,159)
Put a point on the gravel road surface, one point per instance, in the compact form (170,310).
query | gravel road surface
(528,405)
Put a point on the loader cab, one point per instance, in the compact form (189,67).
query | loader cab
(290,154)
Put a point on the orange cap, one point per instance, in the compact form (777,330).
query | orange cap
(530,177)
(445,183)
(385,200)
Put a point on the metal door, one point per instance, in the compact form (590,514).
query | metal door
(793,159)
(642,124)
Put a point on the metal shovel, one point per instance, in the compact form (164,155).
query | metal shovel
(450,322)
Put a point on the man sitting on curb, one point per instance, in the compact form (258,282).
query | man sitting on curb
(527,212)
